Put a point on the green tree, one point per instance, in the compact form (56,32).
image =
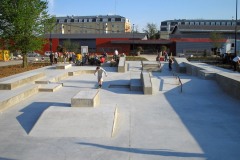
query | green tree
(152,31)
(217,40)
(23,24)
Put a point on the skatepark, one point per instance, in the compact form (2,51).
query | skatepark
(57,112)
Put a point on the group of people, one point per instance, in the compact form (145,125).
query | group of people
(56,57)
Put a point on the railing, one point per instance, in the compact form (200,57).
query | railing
(179,80)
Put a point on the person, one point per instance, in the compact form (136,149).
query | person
(100,71)
(51,58)
(165,56)
(79,59)
(236,61)
(55,57)
(170,61)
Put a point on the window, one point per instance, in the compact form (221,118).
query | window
(223,23)
(197,23)
(75,20)
(201,23)
(218,23)
(207,23)
(118,19)
(112,19)
(186,23)
(212,23)
(191,23)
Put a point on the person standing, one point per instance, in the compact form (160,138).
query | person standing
(170,62)
(51,58)
(100,71)
(236,61)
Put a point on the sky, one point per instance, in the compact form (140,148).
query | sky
(142,12)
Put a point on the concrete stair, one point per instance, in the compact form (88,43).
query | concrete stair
(50,87)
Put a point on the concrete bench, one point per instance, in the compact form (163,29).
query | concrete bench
(20,81)
(79,72)
(147,83)
(86,98)
(49,87)
(122,65)
(63,66)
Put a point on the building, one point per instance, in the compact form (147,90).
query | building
(92,24)
(168,25)
(196,39)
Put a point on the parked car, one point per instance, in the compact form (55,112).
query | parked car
(47,53)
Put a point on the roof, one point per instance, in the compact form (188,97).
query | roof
(94,36)
(204,28)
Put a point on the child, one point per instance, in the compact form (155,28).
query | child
(100,72)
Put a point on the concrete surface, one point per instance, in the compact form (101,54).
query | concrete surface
(200,123)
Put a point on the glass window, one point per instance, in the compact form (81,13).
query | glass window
(223,23)
(212,23)
(197,23)
(201,23)
(207,23)
(218,23)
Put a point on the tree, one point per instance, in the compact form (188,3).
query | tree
(71,46)
(23,24)
(216,39)
(152,31)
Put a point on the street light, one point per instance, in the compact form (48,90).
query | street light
(133,39)
(235,46)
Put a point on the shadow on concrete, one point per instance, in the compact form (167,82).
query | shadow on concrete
(210,116)
(158,152)
(32,112)
(1,158)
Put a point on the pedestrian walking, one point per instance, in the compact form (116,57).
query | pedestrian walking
(100,71)
(235,62)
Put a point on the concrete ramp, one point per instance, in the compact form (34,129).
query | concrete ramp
(75,122)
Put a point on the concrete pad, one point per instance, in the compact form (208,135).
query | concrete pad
(75,122)
(49,87)
(63,66)
(86,98)
(151,66)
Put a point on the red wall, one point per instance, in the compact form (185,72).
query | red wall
(109,47)
(55,42)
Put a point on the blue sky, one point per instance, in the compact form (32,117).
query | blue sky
(141,12)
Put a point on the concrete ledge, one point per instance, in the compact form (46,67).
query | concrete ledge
(230,84)
(8,100)
(147,83)
(122,65)
(180,65)
(20,80)
(151,66)
(87,98)
(205,74)
(49,87)
(79,72)
(63,66)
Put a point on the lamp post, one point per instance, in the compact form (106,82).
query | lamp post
(133,39)
(235,46)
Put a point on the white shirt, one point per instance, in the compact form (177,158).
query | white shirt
(236,59)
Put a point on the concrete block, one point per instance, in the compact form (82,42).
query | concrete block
(121,65)
(49,87)
(86,98)
(147,84)
(63,66)
(151,66)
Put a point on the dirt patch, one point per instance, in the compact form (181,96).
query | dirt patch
(15,69)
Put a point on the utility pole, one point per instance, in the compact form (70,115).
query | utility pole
(235,46)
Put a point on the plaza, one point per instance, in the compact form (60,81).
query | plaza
(201,122)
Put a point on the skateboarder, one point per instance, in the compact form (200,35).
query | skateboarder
(100,71)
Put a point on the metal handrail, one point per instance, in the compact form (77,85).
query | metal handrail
(179,80)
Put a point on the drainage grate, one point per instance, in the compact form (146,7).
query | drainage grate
(118,86)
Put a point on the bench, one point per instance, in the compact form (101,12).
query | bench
(86,98)
(63,66)
(20,80)
(122,64)
(147,83)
